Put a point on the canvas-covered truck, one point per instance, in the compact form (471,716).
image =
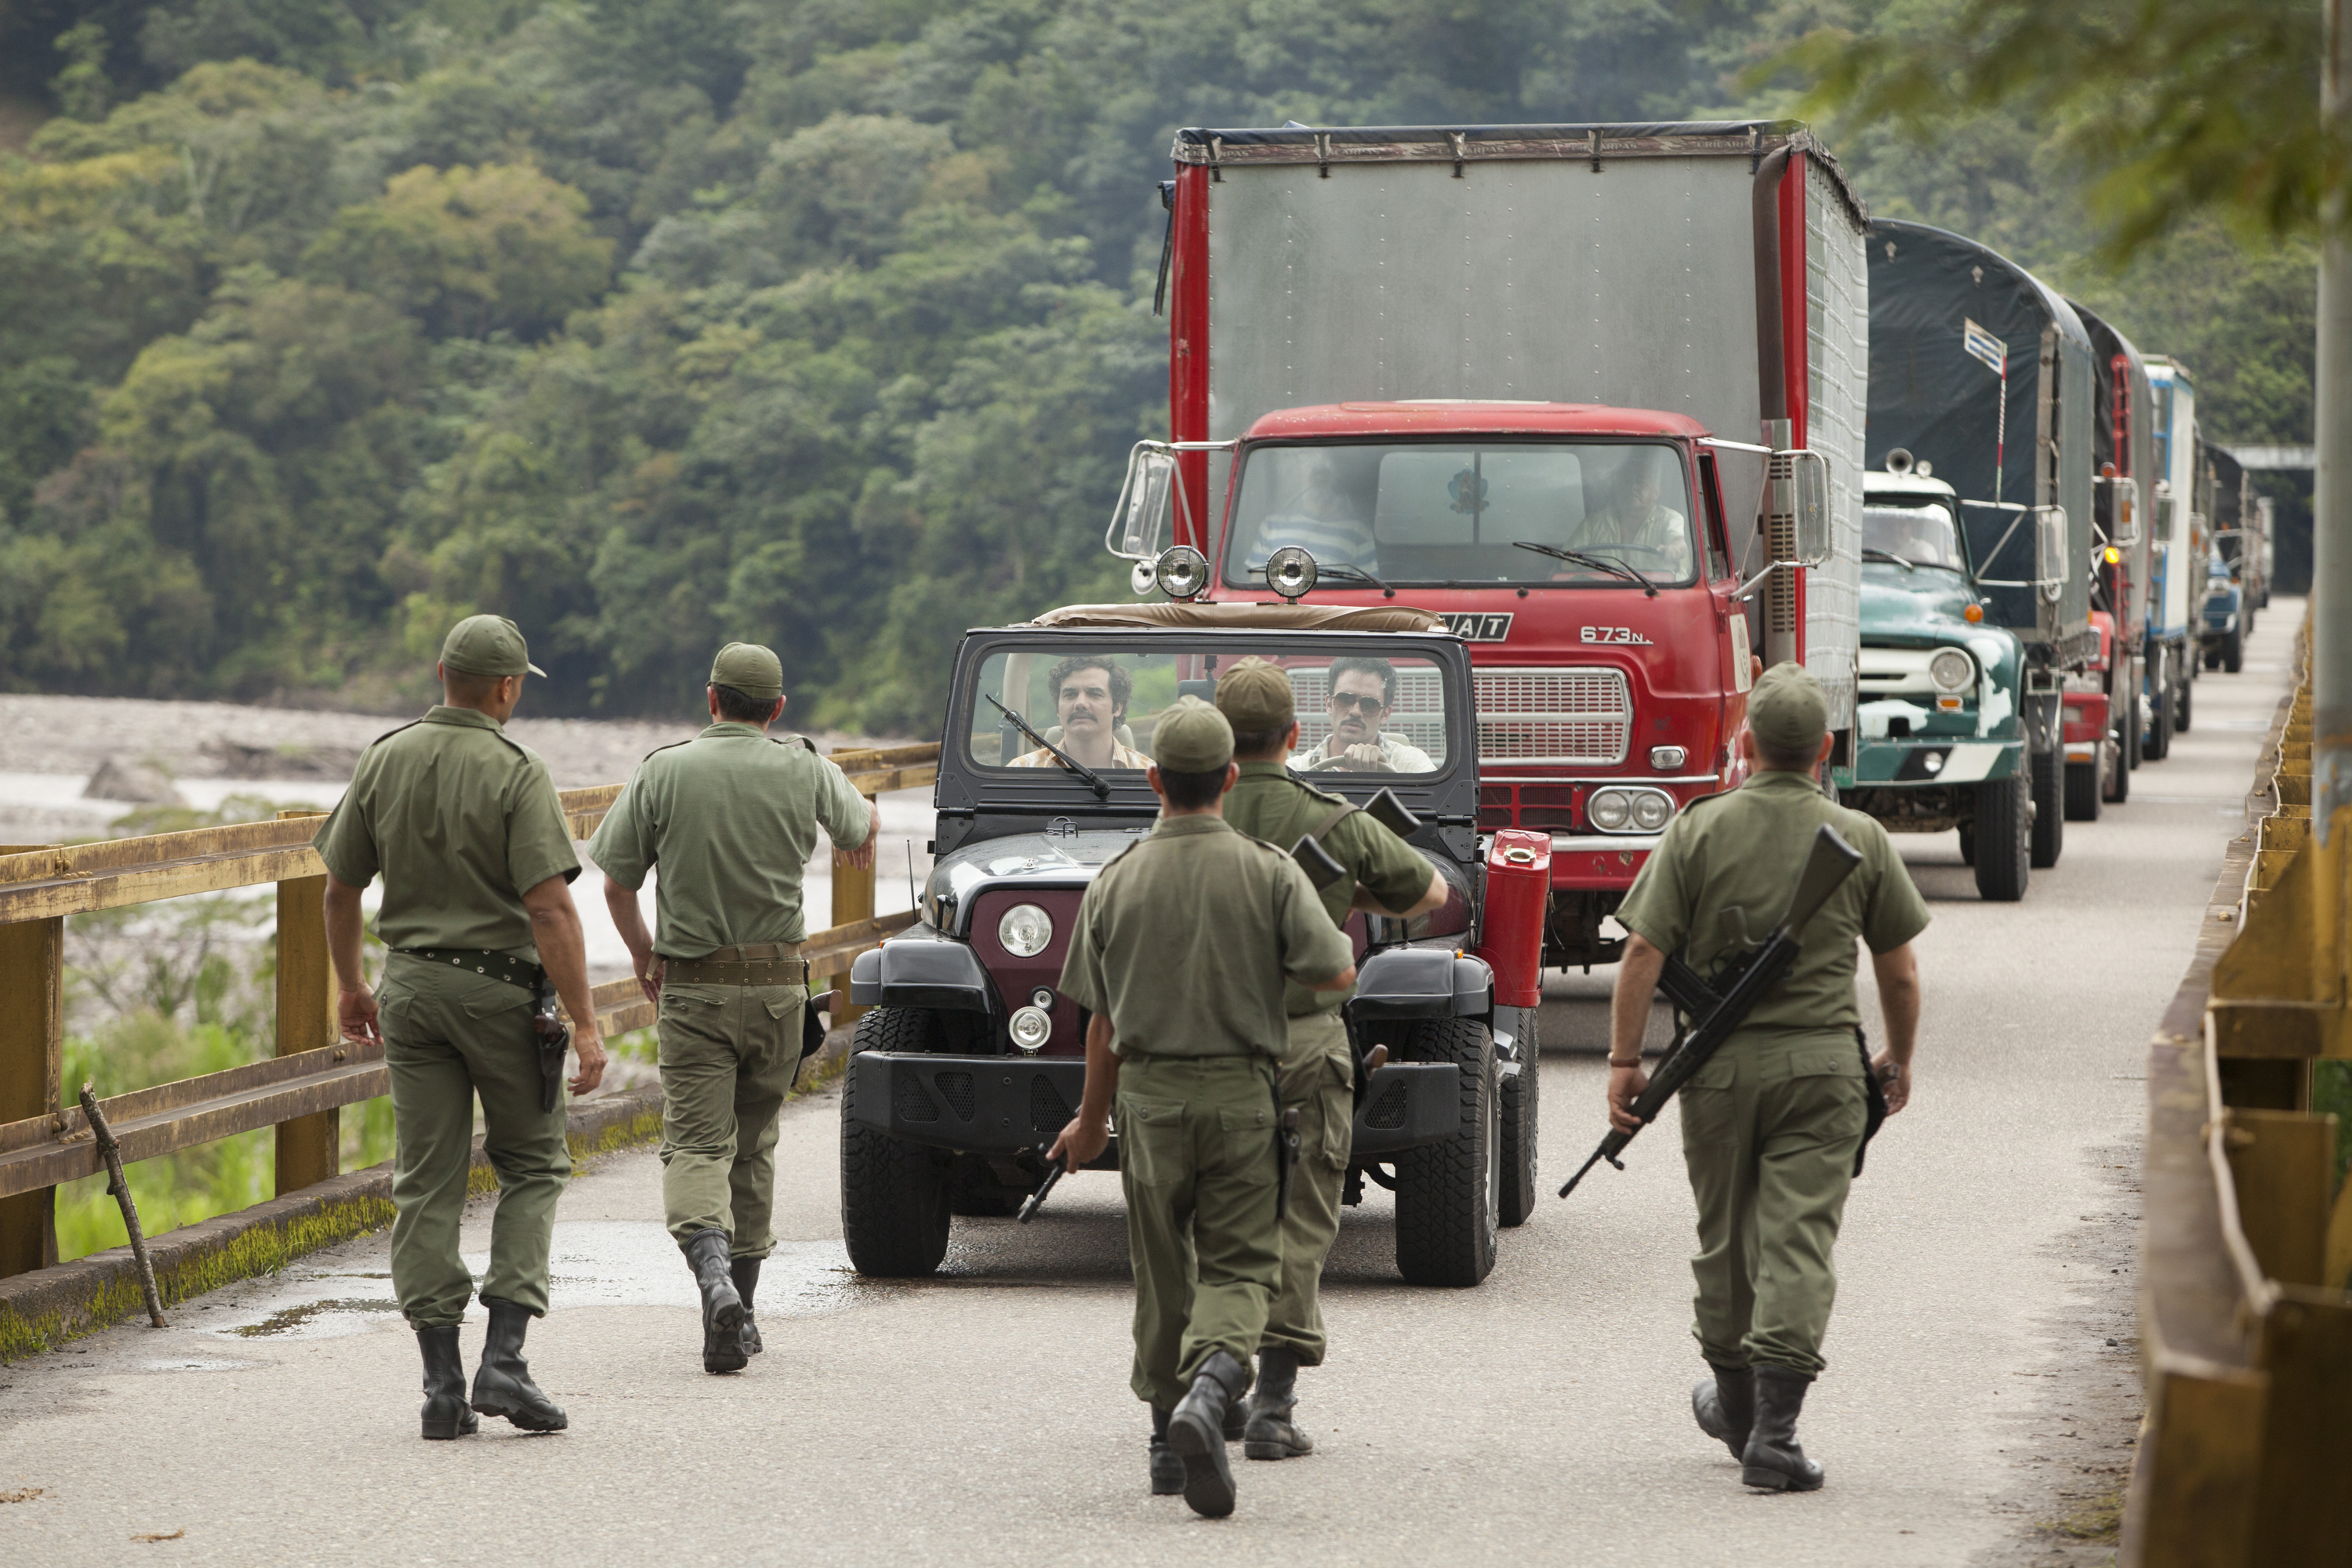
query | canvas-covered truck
(972,1058)
(1594,393)
(2177,525)
(2103,721)
(1977,367)
(1940,737)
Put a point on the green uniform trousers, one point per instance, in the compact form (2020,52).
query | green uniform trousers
(449,1036)
(1318,1081)
(1769,1130)
(728,1055)
(1197,1164)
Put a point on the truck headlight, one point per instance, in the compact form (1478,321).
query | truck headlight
(1025,931)
(1651,810)
(1610,810)
(1031,1027)
(1628,810)
(1952,670)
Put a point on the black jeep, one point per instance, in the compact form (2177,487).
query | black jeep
(971,1061)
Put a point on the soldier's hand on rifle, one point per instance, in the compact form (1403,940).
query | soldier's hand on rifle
(1893,1080)
(1625,1086)
(355,1014)
(1079,1144)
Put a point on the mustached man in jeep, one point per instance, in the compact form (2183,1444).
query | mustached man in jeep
(1184,1043)
(1090,698)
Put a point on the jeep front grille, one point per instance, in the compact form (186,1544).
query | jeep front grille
(914,1105)
(1048,1112)
(956,1089)
(1578,717)
(1388,1112)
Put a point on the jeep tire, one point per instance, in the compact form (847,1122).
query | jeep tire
(2003,839)
(2049,807)
(1518,1124)
(1447,1193)
(893,1194)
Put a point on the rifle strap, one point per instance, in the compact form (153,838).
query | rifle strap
(1331,822)
(1875,1093)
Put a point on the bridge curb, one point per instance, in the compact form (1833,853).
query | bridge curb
(44,1308)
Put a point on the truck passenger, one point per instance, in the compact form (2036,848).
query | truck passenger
(1090,698)
(1363,692)
(1327,517)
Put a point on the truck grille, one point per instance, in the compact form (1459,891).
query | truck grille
(1581,718)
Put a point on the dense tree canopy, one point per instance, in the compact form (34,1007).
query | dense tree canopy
(824,322)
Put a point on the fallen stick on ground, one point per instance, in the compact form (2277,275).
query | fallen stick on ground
(120,1186)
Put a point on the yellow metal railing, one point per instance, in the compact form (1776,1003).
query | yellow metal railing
(44,1138)
(2246,1330)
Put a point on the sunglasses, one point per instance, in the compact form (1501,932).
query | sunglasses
(1346,701)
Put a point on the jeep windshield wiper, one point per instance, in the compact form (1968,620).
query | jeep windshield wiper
(1872,553)
(1102,790)
(1591,563)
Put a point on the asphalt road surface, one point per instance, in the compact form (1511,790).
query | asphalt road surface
(1981,1387)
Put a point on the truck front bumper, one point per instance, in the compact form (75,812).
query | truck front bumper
(1003,1105)
(1930,760)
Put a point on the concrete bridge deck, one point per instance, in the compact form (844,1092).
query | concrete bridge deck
(1982,1381)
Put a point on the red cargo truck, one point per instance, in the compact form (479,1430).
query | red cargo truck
(1593,392)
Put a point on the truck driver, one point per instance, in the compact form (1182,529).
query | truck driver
(1634,528)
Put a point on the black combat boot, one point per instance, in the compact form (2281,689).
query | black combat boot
(445,1414)
(502,1385)
(747,1279)
(1772,1461)
(1167,1470)
(1196,1431)
(1271,1433)
(722,1309)
(1725,1407)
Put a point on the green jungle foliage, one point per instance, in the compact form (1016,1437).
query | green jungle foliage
(826,324)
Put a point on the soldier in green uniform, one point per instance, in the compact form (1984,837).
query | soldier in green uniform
(1772,1126)
(730,817)
(1386,876)
(476,859)
(1181,953)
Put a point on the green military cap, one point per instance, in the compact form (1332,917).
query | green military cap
(487,645)
(750,669)
(1193,738)
(1256,696)
(1788,710)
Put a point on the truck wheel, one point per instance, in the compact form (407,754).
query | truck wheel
(2049,808)
(1967,843)
(2234,652)
(2003,839)
(2086,786)
(2159,729)
(2180,706)
(893,1194)
(2125,737)
(1447,1193)
(1518,1131)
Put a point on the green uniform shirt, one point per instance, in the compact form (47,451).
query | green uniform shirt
(1745,850)
(461,822)
(1268,803)
(731,816)
(1186,937)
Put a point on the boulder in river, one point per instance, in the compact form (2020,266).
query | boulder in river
(239,759)
(140,783)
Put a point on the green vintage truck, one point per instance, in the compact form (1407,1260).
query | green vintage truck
(1939,742)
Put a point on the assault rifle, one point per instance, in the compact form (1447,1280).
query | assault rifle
(1715,1013)
(1054,1172)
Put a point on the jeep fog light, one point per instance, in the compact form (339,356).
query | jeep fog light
(1951,670)
(1610,810)
(1025,931)
(1031,1027)
(1651,810)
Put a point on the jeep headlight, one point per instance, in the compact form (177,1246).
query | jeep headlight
(1952,670)
(1031,1027)
(1025,931)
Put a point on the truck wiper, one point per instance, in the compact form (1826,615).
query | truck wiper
(1358,574)
(1102,790)
(1594,562)
(1870,553)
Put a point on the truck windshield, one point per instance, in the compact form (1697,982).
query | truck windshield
(1356,714)
(1429,514)
(1920,534)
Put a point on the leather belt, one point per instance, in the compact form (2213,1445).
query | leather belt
(504,966)
(756,963)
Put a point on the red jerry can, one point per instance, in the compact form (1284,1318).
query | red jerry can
(1511,926)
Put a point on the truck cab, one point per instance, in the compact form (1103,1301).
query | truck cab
(1581,551)
(1941,742)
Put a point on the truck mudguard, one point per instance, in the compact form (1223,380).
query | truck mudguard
(1422,982)
(914,971)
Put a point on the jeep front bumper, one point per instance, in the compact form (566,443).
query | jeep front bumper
(1003,1105)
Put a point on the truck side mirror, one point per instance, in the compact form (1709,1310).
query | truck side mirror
(2049,551)
(1804,494)
(2126,511)
(1139,523)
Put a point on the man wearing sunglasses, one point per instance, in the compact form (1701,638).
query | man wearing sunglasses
(1362,692)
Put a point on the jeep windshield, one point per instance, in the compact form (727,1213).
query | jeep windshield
(1358,713)
(1917,534)
(1468,514)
